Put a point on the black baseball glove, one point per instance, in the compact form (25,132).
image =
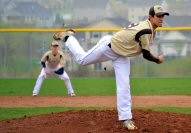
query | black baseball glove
(60,71)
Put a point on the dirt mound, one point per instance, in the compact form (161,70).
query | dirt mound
(104,121)
(98,121)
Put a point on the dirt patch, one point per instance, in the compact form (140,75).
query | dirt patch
(97,121)
(94,101)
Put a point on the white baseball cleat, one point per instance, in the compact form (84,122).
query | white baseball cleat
(34,95)
(129,124)
(72,94)
(62,35)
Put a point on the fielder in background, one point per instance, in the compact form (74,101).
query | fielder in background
(133,41)
(53,61)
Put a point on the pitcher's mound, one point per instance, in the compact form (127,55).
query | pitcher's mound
(98,121)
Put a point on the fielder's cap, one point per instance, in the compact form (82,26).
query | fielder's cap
(158,11)
(54,43)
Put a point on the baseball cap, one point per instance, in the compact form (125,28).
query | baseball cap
(158,11)
(54,43)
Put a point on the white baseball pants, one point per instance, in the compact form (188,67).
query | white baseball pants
(43,75)
(102,52)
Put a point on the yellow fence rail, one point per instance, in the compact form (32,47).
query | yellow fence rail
(89,29)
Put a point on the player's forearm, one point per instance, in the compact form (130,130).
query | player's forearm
(62,63)
(147,55)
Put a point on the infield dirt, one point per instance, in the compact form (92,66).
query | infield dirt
(96,121)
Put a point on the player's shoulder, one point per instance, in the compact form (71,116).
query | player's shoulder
(146,24)
(140,25)
(61,53)
(48,52)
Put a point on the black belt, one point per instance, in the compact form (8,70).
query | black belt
(109,45)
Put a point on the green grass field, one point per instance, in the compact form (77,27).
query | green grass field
(90,87)
(97,87)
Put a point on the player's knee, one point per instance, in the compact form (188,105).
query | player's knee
(65,78)
(82,63)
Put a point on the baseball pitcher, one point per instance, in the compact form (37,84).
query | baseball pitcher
(133,41)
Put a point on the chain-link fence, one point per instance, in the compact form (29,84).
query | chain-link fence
(21,53)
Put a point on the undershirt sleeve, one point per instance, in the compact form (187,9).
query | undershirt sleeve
(147,55)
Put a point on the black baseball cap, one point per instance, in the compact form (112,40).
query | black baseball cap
(158,11)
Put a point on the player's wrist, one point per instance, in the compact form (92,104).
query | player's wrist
(157,60)
(43,64)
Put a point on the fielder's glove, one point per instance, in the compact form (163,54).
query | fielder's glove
(60,71)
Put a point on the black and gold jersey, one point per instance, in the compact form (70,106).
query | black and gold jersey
(130,42)
(54,60)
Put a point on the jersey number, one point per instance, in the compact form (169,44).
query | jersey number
(133,25)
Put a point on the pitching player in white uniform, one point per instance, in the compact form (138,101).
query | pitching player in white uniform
(133,41)
(53,61)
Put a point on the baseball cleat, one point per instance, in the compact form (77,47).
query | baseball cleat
(129,124)
(34,95)
(72,94)
(63,35)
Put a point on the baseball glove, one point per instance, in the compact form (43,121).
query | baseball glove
(60,71)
